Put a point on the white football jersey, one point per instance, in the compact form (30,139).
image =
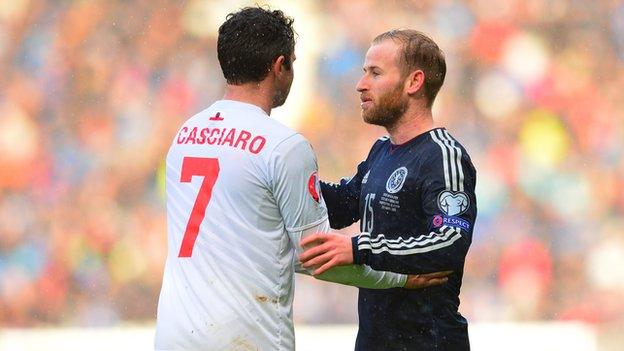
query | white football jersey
(238,185)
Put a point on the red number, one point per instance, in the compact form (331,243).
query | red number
(209,169)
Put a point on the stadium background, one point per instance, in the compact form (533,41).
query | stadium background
(92,92)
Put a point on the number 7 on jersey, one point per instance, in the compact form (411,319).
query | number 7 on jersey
(209,169)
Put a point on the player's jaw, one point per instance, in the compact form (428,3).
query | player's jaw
(281,92)
(386,109)
(280,97)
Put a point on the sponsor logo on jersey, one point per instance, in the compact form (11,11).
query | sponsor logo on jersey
(365,179)
(314,187)
(439,220)
(396,180)
(216,117)
(453,203)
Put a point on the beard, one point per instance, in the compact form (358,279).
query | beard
(281,93)
(388,110)
(280,98)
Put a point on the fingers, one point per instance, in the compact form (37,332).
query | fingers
(312,252)
(312,238)
(436,281)
(436,274)
(425,281)
(325,267)
(318,260)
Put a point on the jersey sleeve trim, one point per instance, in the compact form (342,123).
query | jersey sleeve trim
(435,240)
(307,226)
(451,155)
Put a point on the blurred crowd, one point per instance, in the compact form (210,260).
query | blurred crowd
(92,92)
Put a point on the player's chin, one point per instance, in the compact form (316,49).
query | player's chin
(369,116)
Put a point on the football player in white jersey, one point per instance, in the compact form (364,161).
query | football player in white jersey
(242,189)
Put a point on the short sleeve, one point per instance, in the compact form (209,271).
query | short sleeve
(295,184)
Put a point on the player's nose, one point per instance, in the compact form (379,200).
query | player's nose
(362,84)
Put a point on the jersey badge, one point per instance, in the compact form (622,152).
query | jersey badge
(314,187)
(453,203)
(396,180)
(439,220)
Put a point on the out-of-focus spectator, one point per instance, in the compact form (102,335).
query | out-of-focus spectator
(91,91)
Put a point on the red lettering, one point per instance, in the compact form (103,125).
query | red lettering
(243,137)
(229,138)
(202,136)
(192,136)
(183,130)
(222,134)
(257,144)
(212,139)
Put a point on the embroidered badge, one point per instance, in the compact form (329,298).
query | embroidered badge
(453,203)
(437,221)
(396,180)
(314,187)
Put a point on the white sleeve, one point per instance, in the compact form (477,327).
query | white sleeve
(294,184)
(298,194)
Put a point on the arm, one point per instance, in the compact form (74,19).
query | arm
(343,199)
(295,188)
(304,212)
(450,209)
(361,276)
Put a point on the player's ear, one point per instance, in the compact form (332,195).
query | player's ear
(278,65)
(414,82)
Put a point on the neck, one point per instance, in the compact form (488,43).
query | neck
(415,121)
(251,93)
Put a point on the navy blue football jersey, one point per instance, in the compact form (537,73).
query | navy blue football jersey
(417,208)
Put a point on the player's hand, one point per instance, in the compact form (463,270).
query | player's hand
(420,281)
(331,250)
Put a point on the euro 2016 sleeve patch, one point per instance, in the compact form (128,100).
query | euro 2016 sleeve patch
(314,187)
(453,203)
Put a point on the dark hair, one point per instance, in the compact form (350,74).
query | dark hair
(419,52)
(249,42)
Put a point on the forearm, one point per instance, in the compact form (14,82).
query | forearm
(362,276)
(433,252)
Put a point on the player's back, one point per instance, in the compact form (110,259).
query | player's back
(228,276)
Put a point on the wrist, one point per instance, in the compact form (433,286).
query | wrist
(358,256)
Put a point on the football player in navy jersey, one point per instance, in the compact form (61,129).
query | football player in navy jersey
(414,197)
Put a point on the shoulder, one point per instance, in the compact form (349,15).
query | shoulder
(292,143)
(279,137)
(381,141)
(379,144)
(441,144)
(444,157)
